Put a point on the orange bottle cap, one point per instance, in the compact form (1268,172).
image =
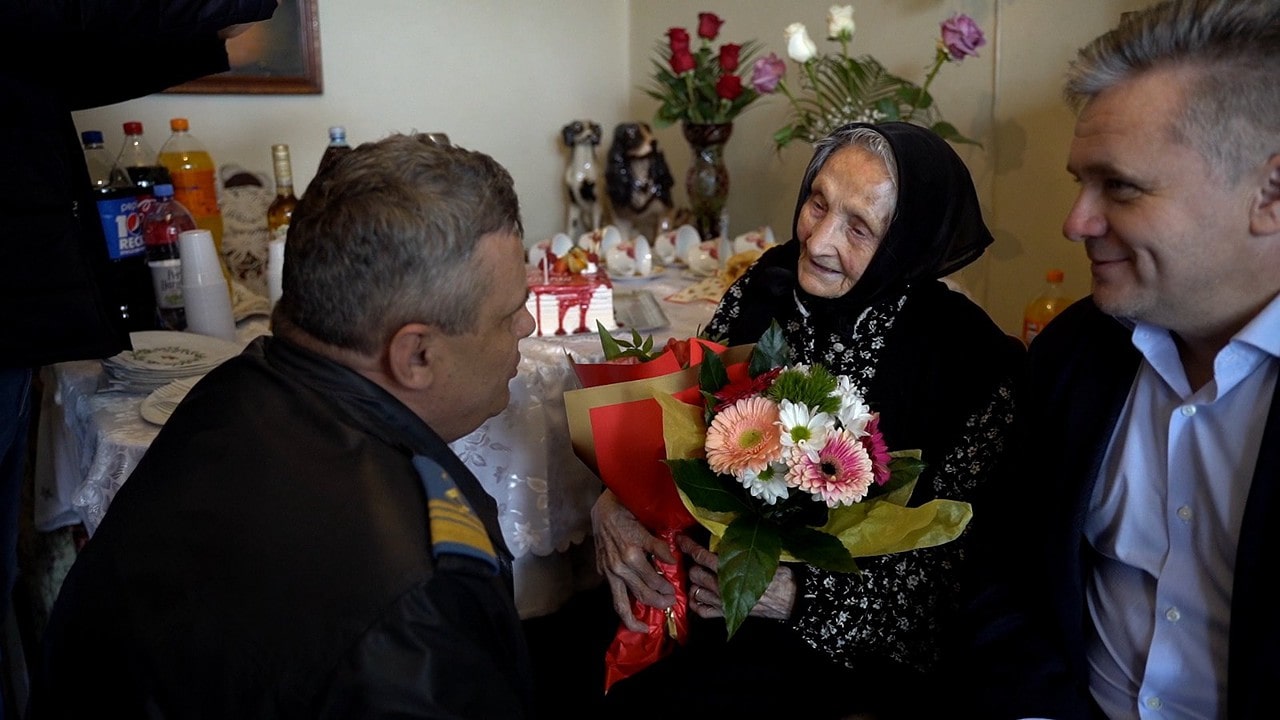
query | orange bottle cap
(1054,276)
(179,124)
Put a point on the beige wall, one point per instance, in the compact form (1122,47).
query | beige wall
(503,76)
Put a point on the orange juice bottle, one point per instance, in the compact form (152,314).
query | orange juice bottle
(1045,307)
(194,181)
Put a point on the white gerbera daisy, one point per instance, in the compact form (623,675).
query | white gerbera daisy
(802,428)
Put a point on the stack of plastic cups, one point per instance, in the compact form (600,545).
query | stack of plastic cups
(204,287)
(275,271)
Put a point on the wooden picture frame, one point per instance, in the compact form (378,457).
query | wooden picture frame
(280,56)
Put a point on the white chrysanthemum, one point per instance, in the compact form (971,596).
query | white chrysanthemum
(801,427)
(854,414)
(770,484)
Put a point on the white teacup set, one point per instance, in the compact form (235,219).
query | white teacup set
(672,246)
(630,258)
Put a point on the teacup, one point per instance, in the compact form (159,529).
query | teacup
(703,258)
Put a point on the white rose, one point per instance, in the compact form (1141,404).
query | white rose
(799,47)
(840,22)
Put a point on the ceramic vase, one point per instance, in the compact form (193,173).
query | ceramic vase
(708,179)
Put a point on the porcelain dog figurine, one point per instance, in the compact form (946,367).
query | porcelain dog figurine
(638,180)
(582,137)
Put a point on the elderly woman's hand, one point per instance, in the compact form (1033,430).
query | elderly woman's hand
(704,587)
(623,551)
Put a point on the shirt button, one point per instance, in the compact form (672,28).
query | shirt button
(1188,410)
(1154,703)
(1184,512)
(1172,615)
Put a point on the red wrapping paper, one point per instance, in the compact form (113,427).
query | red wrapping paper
(616,429)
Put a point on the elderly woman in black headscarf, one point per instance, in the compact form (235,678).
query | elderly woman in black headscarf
(884,212)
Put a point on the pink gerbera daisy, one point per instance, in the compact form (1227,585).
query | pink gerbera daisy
(744,436)
(840,473)
(877,450)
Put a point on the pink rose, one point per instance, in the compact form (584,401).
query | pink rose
(681,62)
(962,37)
(679,40)
(729,87)
(767,73)
(709,25)
(729,56)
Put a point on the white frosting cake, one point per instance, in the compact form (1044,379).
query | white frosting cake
(564,302)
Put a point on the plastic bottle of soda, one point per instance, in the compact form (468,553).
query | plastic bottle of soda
(161,226)
(139,160)
(1045,307)
(194,178)
(128,284)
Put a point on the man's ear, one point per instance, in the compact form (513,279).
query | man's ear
(410,354)
(1264,216)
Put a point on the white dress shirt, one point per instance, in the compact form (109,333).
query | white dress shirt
(1164,523)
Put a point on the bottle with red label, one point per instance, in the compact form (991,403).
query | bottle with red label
(128,284)
(165,220)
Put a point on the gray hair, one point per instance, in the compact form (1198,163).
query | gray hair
(1231,112)
(385,237)
(862,136)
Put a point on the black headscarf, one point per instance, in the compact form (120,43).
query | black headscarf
(937,227)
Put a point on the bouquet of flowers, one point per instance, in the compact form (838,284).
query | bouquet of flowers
(703,85)
(780,462)
(839,89)
(787,463)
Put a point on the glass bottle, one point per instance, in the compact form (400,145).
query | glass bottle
(165,221)
(128,281)
(281,209)
(1045,307)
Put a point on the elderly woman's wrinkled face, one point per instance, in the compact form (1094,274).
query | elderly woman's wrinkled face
(843,220)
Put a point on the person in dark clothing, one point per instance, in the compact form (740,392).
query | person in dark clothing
(1133,575)
(87,54)
(884,212)
(299,540)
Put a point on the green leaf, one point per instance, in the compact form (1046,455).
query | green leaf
(711,375)
(704,488)
(749,553)
(611,349)
(770,351)
(818,549)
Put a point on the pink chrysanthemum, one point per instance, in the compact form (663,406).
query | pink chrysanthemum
(877,450)
(840,473)
(744,436)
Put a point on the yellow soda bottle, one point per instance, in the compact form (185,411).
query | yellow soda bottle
(1045,307)
(195,184)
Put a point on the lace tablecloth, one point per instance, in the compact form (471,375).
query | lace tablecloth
(90,441)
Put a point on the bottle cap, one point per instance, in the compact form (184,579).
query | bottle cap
(91,137)
(133,127)
(1054,276)
(162,190)
(179,124)
(337,132)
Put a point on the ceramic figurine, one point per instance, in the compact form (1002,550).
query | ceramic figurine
(638,180)
(580,178)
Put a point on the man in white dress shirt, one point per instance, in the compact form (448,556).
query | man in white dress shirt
(1152,429)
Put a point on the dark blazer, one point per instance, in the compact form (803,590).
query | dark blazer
(1080,371)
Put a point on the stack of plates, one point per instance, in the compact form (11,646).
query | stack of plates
(159,357)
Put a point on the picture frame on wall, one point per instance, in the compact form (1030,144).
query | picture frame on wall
(279,56)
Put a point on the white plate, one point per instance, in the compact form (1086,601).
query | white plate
(657,273)
(168,350)
(160,404)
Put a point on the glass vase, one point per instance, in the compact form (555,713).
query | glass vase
(708,179)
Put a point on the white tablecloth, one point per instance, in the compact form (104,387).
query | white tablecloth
(90,441)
